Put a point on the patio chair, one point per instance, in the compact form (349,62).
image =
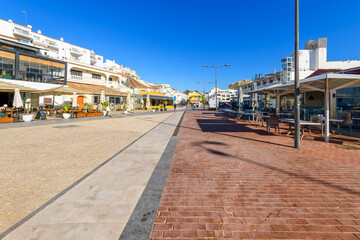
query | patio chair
(272,122)
(347,120)
(316,119)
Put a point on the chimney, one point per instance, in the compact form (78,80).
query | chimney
(61,39)
(10,20)
(39,31)
(29,26)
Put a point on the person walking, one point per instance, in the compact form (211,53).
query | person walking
(175,107)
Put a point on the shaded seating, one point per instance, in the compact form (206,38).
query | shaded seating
(316,119)
(347,120)
(272,122)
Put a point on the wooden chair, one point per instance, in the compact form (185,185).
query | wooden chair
(273,122)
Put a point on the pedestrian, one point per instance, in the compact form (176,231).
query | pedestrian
(175,107)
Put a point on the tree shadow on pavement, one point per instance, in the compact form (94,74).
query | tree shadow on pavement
(260,132)
(291,174)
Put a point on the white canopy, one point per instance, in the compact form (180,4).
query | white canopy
(324,83)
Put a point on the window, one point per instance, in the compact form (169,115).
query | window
(110,80)
(7,64)
(76,72)
(40,70)
(96,76)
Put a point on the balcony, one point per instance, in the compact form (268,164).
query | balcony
(22,33)
(75,52)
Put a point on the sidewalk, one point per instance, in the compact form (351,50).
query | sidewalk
(99,205)
(231,180)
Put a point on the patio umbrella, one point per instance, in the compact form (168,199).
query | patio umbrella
(148,101)
(17,99)
(74,100)
(102,96)
(128,102)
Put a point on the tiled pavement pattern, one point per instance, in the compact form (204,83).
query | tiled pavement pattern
(231,180)
(38,162)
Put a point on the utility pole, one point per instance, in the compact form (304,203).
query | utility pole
(296,82)
(204,83)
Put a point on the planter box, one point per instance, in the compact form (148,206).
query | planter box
(79,115)
(91,114)
(6,120)
(98,114)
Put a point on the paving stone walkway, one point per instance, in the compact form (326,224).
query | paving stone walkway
(231,180)
(38,162)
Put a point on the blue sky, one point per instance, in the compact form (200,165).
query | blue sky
(168,41)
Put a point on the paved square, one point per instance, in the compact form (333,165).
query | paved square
(231,180)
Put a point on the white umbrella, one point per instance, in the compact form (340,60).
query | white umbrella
(128,102)
(17,99)
(102,96)
(74,100)
(148,102)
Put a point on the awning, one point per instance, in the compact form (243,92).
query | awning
(323,83)
(137,84)
(95,89)
(159,97)
(6,86)
(63,90)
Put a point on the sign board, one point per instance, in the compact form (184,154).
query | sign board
(41,115)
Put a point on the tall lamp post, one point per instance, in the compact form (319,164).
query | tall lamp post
(296,83)
(216,67)
(204,83)
(25,17)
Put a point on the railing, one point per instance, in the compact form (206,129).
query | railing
(76,77)
(40,77)
(21,31)
(31,76)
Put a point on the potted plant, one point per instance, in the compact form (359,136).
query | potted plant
(125,109)
(165,103)
(28,117)
(65,108)
(6,119)
(105,108)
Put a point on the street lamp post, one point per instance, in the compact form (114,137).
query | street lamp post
(296,82)
(216,67)
(25,17)
(204,83)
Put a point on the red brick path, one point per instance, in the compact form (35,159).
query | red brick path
(231,180)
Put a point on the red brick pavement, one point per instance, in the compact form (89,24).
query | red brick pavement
(231,180)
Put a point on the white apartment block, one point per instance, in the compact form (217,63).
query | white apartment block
(84,66)
(223,95)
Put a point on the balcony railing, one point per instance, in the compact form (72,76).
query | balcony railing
(21,31)
(31,76)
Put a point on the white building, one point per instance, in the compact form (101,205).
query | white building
(83,69)
(223,95)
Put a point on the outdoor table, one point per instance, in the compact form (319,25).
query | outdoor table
(291,122)
(285,114)
(337,121)
(229,111)
(262,119)
(249,114)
